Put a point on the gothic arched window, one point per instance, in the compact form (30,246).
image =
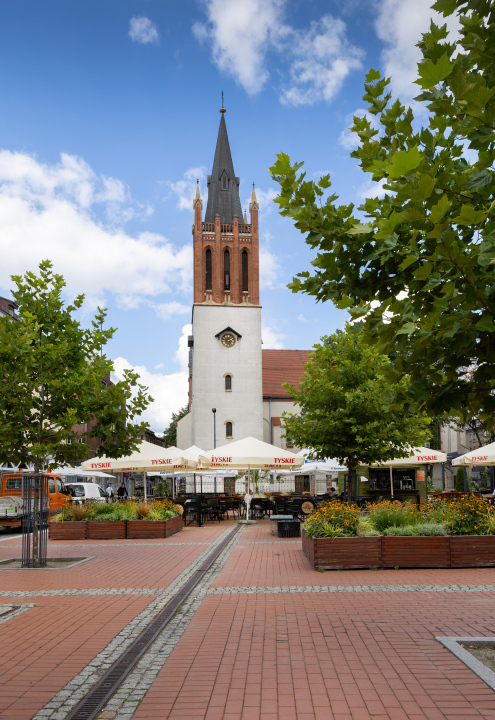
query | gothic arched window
(226,270)
(225,181)
(244,271)
(228,382)
(228,429)
(208,270)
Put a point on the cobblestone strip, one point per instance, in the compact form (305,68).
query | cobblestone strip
(63,702)
(128,697)
(131,544)
(90,591)
(7,612)
(350,589)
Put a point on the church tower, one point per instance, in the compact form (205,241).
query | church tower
(225,348)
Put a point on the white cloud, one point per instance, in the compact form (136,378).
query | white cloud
(271,338)
(399,25)
(313,62)
(269,269)
(301,318)
(185,189)
(169,392)
(372,189)
(53,211)
(323,58)
(167,310)
(143,31)
(239,33)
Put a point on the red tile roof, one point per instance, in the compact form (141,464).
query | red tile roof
(281,366)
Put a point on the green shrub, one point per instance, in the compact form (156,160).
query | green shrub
(459,480)
(491,524)
(393,530)
(430,529)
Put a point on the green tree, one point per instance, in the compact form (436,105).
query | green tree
(52,373)
(420,271)
(170,434)
(348,409)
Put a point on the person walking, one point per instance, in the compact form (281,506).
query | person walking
(122,493)
(110,494)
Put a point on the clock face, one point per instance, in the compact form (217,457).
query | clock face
(228,340)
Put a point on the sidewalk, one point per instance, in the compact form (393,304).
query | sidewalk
(264,638)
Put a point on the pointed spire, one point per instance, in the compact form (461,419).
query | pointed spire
(245,217)
(253,205)
(197,200)
(223,185)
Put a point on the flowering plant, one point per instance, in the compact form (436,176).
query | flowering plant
(333,519)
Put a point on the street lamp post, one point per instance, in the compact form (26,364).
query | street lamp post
(214,411)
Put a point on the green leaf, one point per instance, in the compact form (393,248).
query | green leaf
(372,76)
(430,73)
(360,229)
(423,189)
(446,7)
(479,180)
(387,226)
(486,323)
(407,329)
(440,209)
(469,216)
(404,161)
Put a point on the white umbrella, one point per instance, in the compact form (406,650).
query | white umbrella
(323,467)
(482,456)
(146,458)
(415,456)
(250,453)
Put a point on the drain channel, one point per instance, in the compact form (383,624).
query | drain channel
(102,691)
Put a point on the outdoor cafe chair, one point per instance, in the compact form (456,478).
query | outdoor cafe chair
(192,508)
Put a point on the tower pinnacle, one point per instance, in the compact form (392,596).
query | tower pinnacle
(223,185)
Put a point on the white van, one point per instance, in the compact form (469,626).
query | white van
(82,491)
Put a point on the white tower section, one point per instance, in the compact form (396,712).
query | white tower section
(227,342)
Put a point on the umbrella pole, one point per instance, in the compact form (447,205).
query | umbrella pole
(391,484)
(173,483)
(145,489)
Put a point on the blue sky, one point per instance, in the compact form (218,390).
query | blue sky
(109,113)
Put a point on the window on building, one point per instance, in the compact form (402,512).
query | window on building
(228,429)
(208,270)
(244,271)
(226,270)
(225,181)
(228,382)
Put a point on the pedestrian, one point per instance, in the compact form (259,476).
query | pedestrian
(122,493)
(110,494)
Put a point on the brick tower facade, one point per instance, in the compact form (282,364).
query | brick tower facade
(226,246)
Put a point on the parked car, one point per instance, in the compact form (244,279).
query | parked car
(82,491)
(11,505)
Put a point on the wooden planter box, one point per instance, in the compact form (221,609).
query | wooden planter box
(174,525)
(141,529)
(70,530)
(454,551)
(472,551)
(342,553)
(106,529)
(415,552)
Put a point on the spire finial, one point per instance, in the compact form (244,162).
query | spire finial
(222,109)
(197,200)
(245,217)
(253,205)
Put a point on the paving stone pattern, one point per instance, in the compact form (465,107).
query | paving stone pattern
(59,707)
(262,637)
